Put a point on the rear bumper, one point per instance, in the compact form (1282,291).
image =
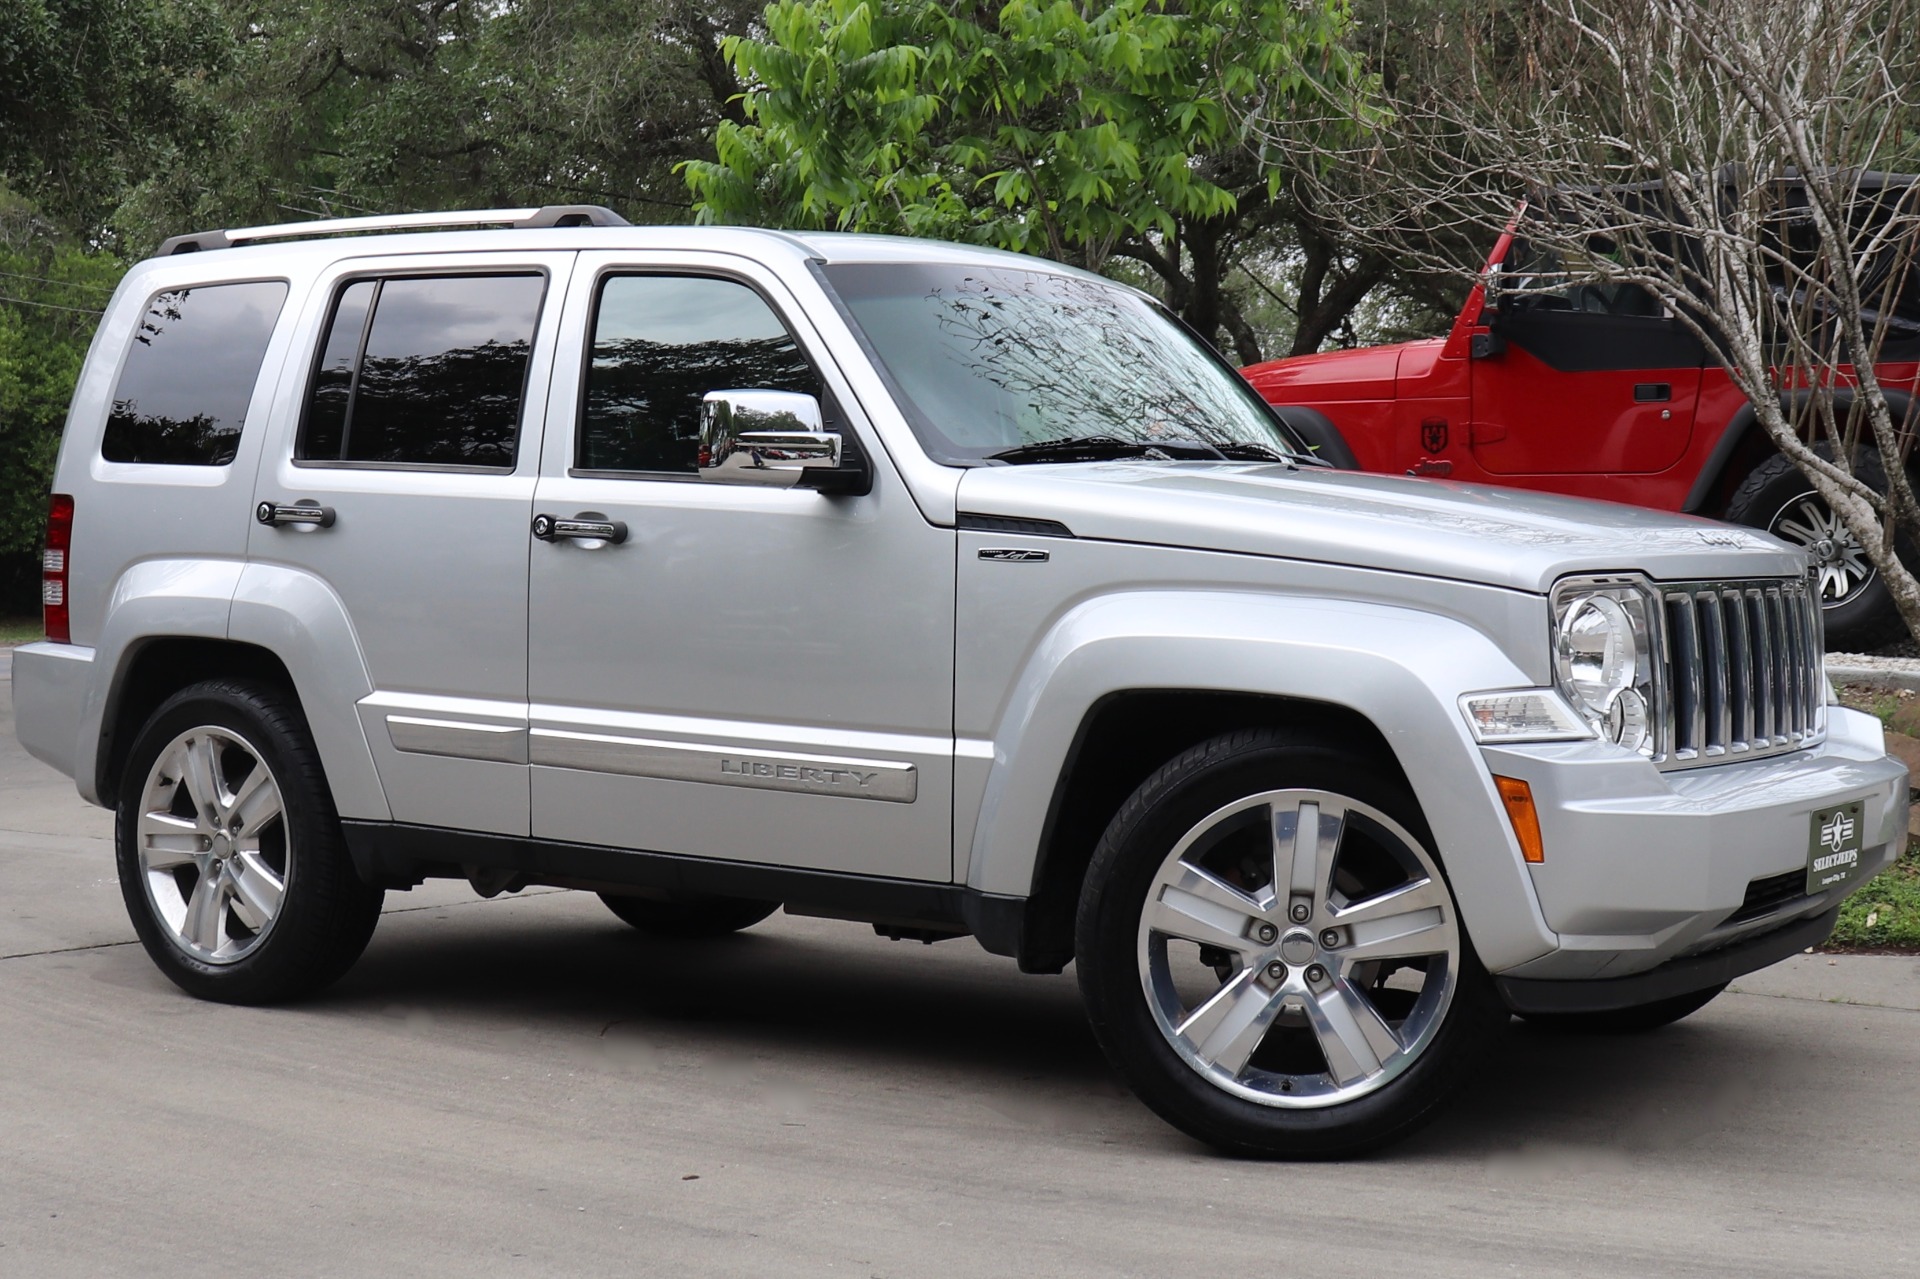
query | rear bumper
(1675,977)
(50,685)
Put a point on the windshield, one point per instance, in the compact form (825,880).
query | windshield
(994,360)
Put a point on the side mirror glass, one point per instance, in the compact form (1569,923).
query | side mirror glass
(771,438)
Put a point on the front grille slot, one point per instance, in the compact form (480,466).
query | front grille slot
(1743,671)
(1764,896)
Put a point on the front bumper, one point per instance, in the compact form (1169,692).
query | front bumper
(1643,867)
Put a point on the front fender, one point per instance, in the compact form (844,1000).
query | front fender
(1401,669)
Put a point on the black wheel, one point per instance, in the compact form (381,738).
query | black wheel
(688,915)
(1854,603)
(229,849)
(1627,1021)
(1271,955)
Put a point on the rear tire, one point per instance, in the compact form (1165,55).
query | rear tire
(229,850)
(1626,1021)
(688,915)
(1855,606)
(1266,990)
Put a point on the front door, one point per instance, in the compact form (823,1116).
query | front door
(401,477)
(743,673)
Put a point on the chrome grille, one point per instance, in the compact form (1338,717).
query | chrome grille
(1744,671)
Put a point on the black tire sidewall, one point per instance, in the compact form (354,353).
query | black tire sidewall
(1867,621)
(326,914)
(1166,807)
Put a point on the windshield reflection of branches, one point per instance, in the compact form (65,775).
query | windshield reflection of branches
(1072,358)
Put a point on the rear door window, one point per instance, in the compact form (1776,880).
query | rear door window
(423,371)
(189,375)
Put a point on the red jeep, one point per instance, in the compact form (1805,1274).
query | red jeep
(1588,389)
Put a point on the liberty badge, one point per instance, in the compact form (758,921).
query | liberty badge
(1433,434)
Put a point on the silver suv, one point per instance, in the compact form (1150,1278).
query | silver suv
(953,591)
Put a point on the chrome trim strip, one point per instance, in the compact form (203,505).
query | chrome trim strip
(716,765)
(417,735)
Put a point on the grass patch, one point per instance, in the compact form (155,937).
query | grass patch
(1885,914)
(19,630)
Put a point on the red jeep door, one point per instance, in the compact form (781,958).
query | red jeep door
(1590,379)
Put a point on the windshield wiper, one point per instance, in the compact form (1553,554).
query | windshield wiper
(1103,448)
(1248,451)
(1074,448)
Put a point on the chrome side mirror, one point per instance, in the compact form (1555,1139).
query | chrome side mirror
(771,438)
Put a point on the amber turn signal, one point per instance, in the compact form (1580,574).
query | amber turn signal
(1518,797)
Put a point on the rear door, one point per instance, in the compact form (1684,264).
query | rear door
(402,477)
(753,673)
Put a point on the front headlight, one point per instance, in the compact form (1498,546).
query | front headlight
(1603,657)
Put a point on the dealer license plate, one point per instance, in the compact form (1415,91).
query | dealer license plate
(1834,847)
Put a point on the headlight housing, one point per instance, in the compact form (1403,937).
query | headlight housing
(1603,659)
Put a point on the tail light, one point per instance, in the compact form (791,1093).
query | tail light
(53,572)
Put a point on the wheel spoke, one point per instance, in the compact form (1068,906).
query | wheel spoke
(256,804)
(1352,1036)
(167,841)
(1228,1027)
(256,890)
(1200,908)
(201,776)
(1305,841)
(1794,530)
(1400,924)
(205,924)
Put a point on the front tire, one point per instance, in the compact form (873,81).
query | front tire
(1271,955)
(231,862)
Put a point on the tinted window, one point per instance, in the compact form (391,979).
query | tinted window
(660,343)
(183,392)
(424,371)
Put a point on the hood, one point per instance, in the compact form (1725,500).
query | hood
(1436,528)
(1364,373)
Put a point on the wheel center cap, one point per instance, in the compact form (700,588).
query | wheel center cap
(1297,949)
(222,849)
(1824,548)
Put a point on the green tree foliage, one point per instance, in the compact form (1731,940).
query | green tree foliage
(49,302)
(93,93)
(357,106)
(1085,133)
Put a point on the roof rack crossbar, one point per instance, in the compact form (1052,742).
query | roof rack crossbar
(553,215)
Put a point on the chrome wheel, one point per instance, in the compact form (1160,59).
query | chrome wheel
(1838,559)
(1299,949)
(212,844)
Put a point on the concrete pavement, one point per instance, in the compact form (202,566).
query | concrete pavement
(526,1087)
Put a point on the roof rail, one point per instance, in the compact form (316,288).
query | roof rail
(552,215)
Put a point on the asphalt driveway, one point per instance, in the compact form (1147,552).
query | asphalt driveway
(525,1086)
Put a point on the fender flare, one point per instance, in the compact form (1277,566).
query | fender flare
(1401,670)
(297,617)
(1318,430)
(288,613)
(186,599)
(1899,403)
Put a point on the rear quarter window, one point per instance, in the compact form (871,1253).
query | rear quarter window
(189,374)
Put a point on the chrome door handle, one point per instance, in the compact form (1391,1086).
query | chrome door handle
(305,511)
(584,527)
